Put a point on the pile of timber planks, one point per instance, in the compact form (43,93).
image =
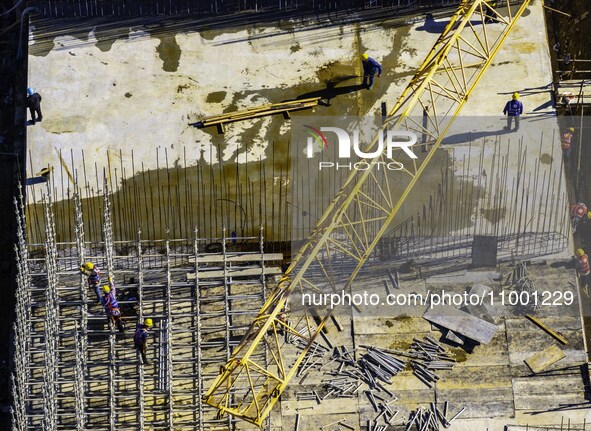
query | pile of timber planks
(284,108)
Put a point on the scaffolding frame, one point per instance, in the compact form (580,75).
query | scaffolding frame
(73,370)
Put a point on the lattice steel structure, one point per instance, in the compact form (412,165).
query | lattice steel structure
(362,210)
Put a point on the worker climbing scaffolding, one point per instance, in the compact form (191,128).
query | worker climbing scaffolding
(111,306)
(140,338)
(93,273)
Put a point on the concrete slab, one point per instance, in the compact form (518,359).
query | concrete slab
(462,323)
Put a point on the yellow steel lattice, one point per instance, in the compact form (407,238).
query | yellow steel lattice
(263,363)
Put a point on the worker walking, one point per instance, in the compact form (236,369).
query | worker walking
(489,14)
(34,105)
(370,68)
(140,338)
(513,109)
(111,306)
(583,268)
(578,213)
(94,277)
(566,143)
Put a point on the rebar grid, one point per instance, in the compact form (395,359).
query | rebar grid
(74,347)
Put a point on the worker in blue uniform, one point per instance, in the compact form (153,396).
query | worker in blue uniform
(513,109)
(370,68)
(140,338)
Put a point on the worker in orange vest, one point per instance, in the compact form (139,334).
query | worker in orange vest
(566,143)
(578,212)
(582,265)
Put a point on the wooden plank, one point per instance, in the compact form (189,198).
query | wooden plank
(538,362)
(253,110)
(547,329)
(461,323)
(234,272)
(243,257)
(259,111)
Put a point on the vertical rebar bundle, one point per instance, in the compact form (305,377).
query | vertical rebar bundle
(51,324)
(22,330)
(169,321)
(108,237)
(81,335)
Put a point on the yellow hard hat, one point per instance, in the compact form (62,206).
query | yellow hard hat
(515,96)
(106,289)
(571,129)
(148,322)
(580,252)
(89,266)
(364,56)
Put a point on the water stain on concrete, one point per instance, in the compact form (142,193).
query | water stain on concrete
(169,52)
(527,47)
(494,215)
(59,125)
(216,97)
(105,38)
(546,159)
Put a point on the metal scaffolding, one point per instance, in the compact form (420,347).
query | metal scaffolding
(74,370)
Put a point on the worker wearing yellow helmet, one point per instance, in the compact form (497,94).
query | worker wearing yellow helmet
(140,338)
(111,306)
(370,68)
(513,110)
(93,274)
(490,15)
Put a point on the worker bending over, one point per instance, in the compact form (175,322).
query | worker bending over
(111,306)
(94,277)
(370,68)
(140,338)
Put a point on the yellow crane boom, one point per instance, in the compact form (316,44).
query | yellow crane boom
(264,362)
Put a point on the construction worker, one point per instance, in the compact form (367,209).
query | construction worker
(513,109)
(111,306)
(94,277)
(582,265)
(370,68)
(140,338)
(579,212)
(34,105)
(489,14)
(566,143)
(41,177)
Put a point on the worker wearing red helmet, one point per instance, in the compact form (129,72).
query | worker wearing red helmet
(579,212)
